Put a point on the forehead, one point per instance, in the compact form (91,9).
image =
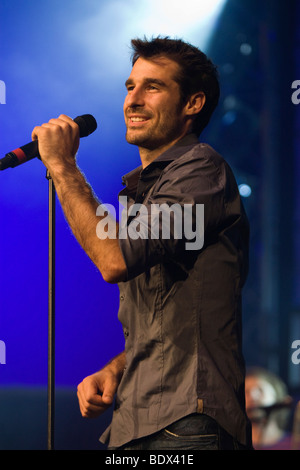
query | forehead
(157,67)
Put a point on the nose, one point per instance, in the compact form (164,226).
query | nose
(135,97)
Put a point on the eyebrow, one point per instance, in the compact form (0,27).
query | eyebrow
(146,81)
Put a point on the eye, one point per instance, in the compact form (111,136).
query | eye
(151,87)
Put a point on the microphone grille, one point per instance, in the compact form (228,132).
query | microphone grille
(87,124)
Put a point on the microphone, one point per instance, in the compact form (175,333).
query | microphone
(86,123)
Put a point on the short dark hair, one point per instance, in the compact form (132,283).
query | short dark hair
(197,72)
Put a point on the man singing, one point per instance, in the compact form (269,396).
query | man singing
(179,384)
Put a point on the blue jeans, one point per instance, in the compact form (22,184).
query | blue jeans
(194,432)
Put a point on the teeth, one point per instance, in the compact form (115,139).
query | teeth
(137,119)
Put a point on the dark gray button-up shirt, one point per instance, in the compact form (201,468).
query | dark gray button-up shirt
(181,308)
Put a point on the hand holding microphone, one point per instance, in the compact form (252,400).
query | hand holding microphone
(57,138)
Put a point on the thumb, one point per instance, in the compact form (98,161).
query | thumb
(109,390)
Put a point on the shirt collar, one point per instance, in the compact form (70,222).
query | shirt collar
(130,179)
(175,151)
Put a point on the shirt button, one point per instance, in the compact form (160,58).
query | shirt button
(122,297)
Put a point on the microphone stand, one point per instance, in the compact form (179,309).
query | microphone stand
(51,314)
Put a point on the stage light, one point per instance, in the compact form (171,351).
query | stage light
(105,35)
(174,17)
(245,190)
(245,49)
(229,118)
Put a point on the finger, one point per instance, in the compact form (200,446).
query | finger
(34,134)
(109,390)
(62,125)
(89,394)
(66,118)
(62,121)
(63,118)
(38,129)
(90,412)
(88,409)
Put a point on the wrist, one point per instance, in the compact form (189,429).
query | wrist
(117,365)
(61,169)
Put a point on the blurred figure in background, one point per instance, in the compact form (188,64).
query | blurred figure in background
(268,406)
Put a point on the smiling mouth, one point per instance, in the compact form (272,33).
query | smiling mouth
(138,119)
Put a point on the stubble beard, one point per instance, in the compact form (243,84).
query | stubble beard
(158,136)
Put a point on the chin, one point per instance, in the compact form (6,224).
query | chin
(147,140)
(136,139)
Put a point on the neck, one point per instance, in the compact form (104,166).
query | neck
(149,155)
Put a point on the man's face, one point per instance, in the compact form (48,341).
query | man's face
(153,114)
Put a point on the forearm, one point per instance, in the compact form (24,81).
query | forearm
(58,145)
(117,365)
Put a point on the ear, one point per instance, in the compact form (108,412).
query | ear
(195,103)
